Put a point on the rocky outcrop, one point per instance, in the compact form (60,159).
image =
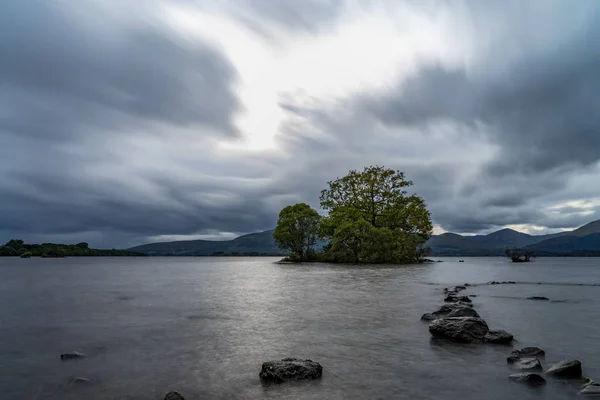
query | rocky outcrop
(451,310)
(528,378)
(498,337)
(290,369)
(569,369)
(71,356)
(174,396)
(453,298)
(528,364)
(459,329)
(526,352)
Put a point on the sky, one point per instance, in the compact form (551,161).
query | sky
(125,122)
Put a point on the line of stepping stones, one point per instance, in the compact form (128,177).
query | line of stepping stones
(458,321)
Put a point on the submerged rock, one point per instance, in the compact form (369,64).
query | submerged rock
(174,396)
(452,298)
(566,369)
(528,378)
(590,390)
(78,379)
(527,352)
(498,336)
(71,356)
(537,298)
(528,364)
(451,310)
(459,329)
(290,369)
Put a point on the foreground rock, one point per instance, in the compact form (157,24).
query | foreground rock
(459,329)
(174,396)
(498,337)
(526,352)
(537,298)
(453,298)
(290,369)
(71,356)
(591,389)
(569,369)
(528,364)
(528,378)
(451,310)
(454,289)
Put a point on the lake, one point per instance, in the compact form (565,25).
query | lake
(203,327)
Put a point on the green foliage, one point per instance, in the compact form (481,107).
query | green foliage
(373,219)
(297,230)
(19,248)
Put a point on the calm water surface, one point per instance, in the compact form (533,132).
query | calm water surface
(203,326)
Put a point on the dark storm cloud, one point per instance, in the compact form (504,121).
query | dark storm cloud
(60,74)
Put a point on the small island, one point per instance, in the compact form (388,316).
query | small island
(18,248)
(371,219)
(519,255)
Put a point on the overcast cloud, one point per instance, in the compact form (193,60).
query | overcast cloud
(122,124)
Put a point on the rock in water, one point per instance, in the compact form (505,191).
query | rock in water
(174,396)
(459,329)
(590,390)
(525,352)
(71,356)
(566,369)
(499,337)
(528,378)
(528,364)
(78,379)
(290,369)
(537,298)
(452,298)
(451,310)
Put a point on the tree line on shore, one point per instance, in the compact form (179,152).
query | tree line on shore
(17,247)
(370,218)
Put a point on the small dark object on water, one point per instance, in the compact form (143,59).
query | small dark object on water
(174,396)
(526,352)
(290,369)
(528,378)
(528,364)
(498,337)
(566,369)
(461,260)
(71,356)
(537,298)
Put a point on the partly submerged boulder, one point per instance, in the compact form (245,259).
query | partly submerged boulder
(566,369)
(71,356)
(591,389)
(74,380)
(528,364)
(498,336)
(459,329)
(174,396)
(453,298)
(290,369)
(451,310)
(528,378)
(537,298)
(526,352)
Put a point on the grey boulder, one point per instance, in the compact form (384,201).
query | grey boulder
(528,364)
(498,337)
(459,329)
(453,298)
(290,369)
(526,352)
(451,310)
(528,378)
(566,369)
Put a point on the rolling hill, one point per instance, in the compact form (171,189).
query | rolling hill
(584,241)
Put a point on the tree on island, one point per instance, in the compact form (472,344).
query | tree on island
(297,231)
(519,255)
(372,219)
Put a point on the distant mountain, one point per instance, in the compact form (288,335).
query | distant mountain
(260,243)
(584,241)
